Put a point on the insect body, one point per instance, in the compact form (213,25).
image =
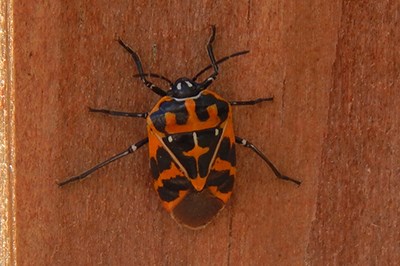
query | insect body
(191,145)
(192,154)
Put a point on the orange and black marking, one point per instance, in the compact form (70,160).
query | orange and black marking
(191,144)
(192,155)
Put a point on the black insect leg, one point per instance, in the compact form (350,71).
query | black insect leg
(138,63)
(278,174)
(130,150)
(252,102)
(118,113)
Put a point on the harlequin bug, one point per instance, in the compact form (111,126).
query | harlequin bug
(191,144)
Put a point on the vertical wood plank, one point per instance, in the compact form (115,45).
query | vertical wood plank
(358,201)
(7,138)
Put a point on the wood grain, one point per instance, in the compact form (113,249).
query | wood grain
(333,69)
(358,201)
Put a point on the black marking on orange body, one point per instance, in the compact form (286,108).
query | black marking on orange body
(171,187)
(180,144)
(169,106)
(223,180)
(227,151)
(170,116)
(193,163)
(194,150)
(207,100)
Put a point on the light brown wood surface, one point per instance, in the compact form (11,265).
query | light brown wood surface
(333,69)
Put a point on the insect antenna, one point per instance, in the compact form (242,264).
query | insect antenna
(153,75)
(220,61)
(139,67)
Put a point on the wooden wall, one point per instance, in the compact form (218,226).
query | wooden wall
(333,68)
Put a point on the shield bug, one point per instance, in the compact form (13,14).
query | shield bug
(191,143)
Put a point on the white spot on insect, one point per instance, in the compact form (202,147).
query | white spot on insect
(216,132)
(210,79)
(133,147)
(189,84)
(179,86)
(170,139)
(244,142)
(195,139)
